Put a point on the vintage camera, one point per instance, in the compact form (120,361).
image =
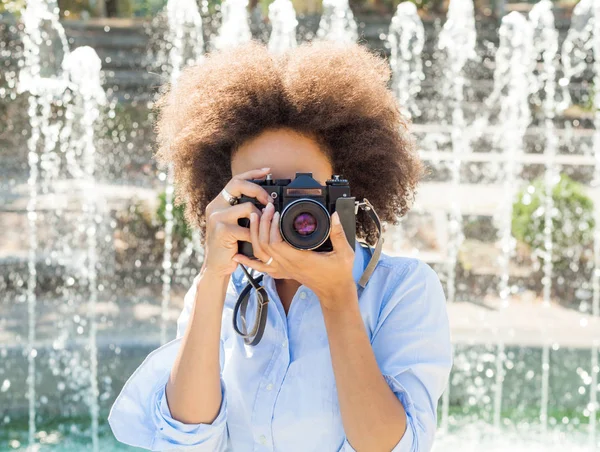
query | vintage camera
(305,207)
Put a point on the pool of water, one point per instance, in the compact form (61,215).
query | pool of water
(473,424)
(473,438)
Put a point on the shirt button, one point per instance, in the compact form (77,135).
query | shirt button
(263,439)
(303,295)
(284,343)
(269,386)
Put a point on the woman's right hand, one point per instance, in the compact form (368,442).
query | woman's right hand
(222,228)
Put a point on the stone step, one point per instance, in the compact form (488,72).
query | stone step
(129,42)
(115,59)
(132,79)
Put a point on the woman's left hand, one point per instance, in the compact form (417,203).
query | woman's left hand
(327,274)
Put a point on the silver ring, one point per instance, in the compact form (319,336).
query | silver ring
(232,200)
(269,261)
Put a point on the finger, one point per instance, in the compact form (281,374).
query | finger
(338,236)
(265,226)
(275,234)
(252,263)
(235,233)
(281,250)
(252,174)
(232,214)
(240,187)
(256,248)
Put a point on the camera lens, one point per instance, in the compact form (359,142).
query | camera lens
(305,224)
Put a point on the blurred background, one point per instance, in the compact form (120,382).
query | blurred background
(95,258)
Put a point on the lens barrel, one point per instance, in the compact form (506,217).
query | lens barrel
(305,224)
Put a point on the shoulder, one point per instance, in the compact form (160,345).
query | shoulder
(405,283)
(393,272)
(402,265)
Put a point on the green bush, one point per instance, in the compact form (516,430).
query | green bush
(75,8)
(13,7)
(572,220)
(181,230)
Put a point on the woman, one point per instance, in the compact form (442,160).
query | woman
(338,368)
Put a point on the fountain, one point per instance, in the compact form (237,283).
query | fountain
(596,277)
(406,39)
(34,17)
(235,26)
(337,22)
(582,40)
(54,77)
(526,356)
(83,67)
(185,34)
(283,19)
(546,45)
(458,39)
(515,61)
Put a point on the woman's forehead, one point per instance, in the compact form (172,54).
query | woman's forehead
(285,152)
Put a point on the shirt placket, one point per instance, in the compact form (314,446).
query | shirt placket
(288,327)
(272,379)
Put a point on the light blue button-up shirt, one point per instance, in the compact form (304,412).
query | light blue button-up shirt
(280,395)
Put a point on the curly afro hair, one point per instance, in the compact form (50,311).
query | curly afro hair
(336,93)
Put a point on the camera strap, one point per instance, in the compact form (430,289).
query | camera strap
(376,254)
(262,298)
(241,306)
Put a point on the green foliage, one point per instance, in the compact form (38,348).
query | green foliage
(181,230)
(572,219)
(141,8)
(589,101)
(75,8)
(12,6)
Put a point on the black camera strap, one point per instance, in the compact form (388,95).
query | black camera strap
(241,306)
(253,337)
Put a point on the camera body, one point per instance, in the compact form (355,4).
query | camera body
(305,208)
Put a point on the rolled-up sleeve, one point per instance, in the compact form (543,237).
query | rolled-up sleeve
(412,346)
(140,415)
(407,443)
(174,434)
